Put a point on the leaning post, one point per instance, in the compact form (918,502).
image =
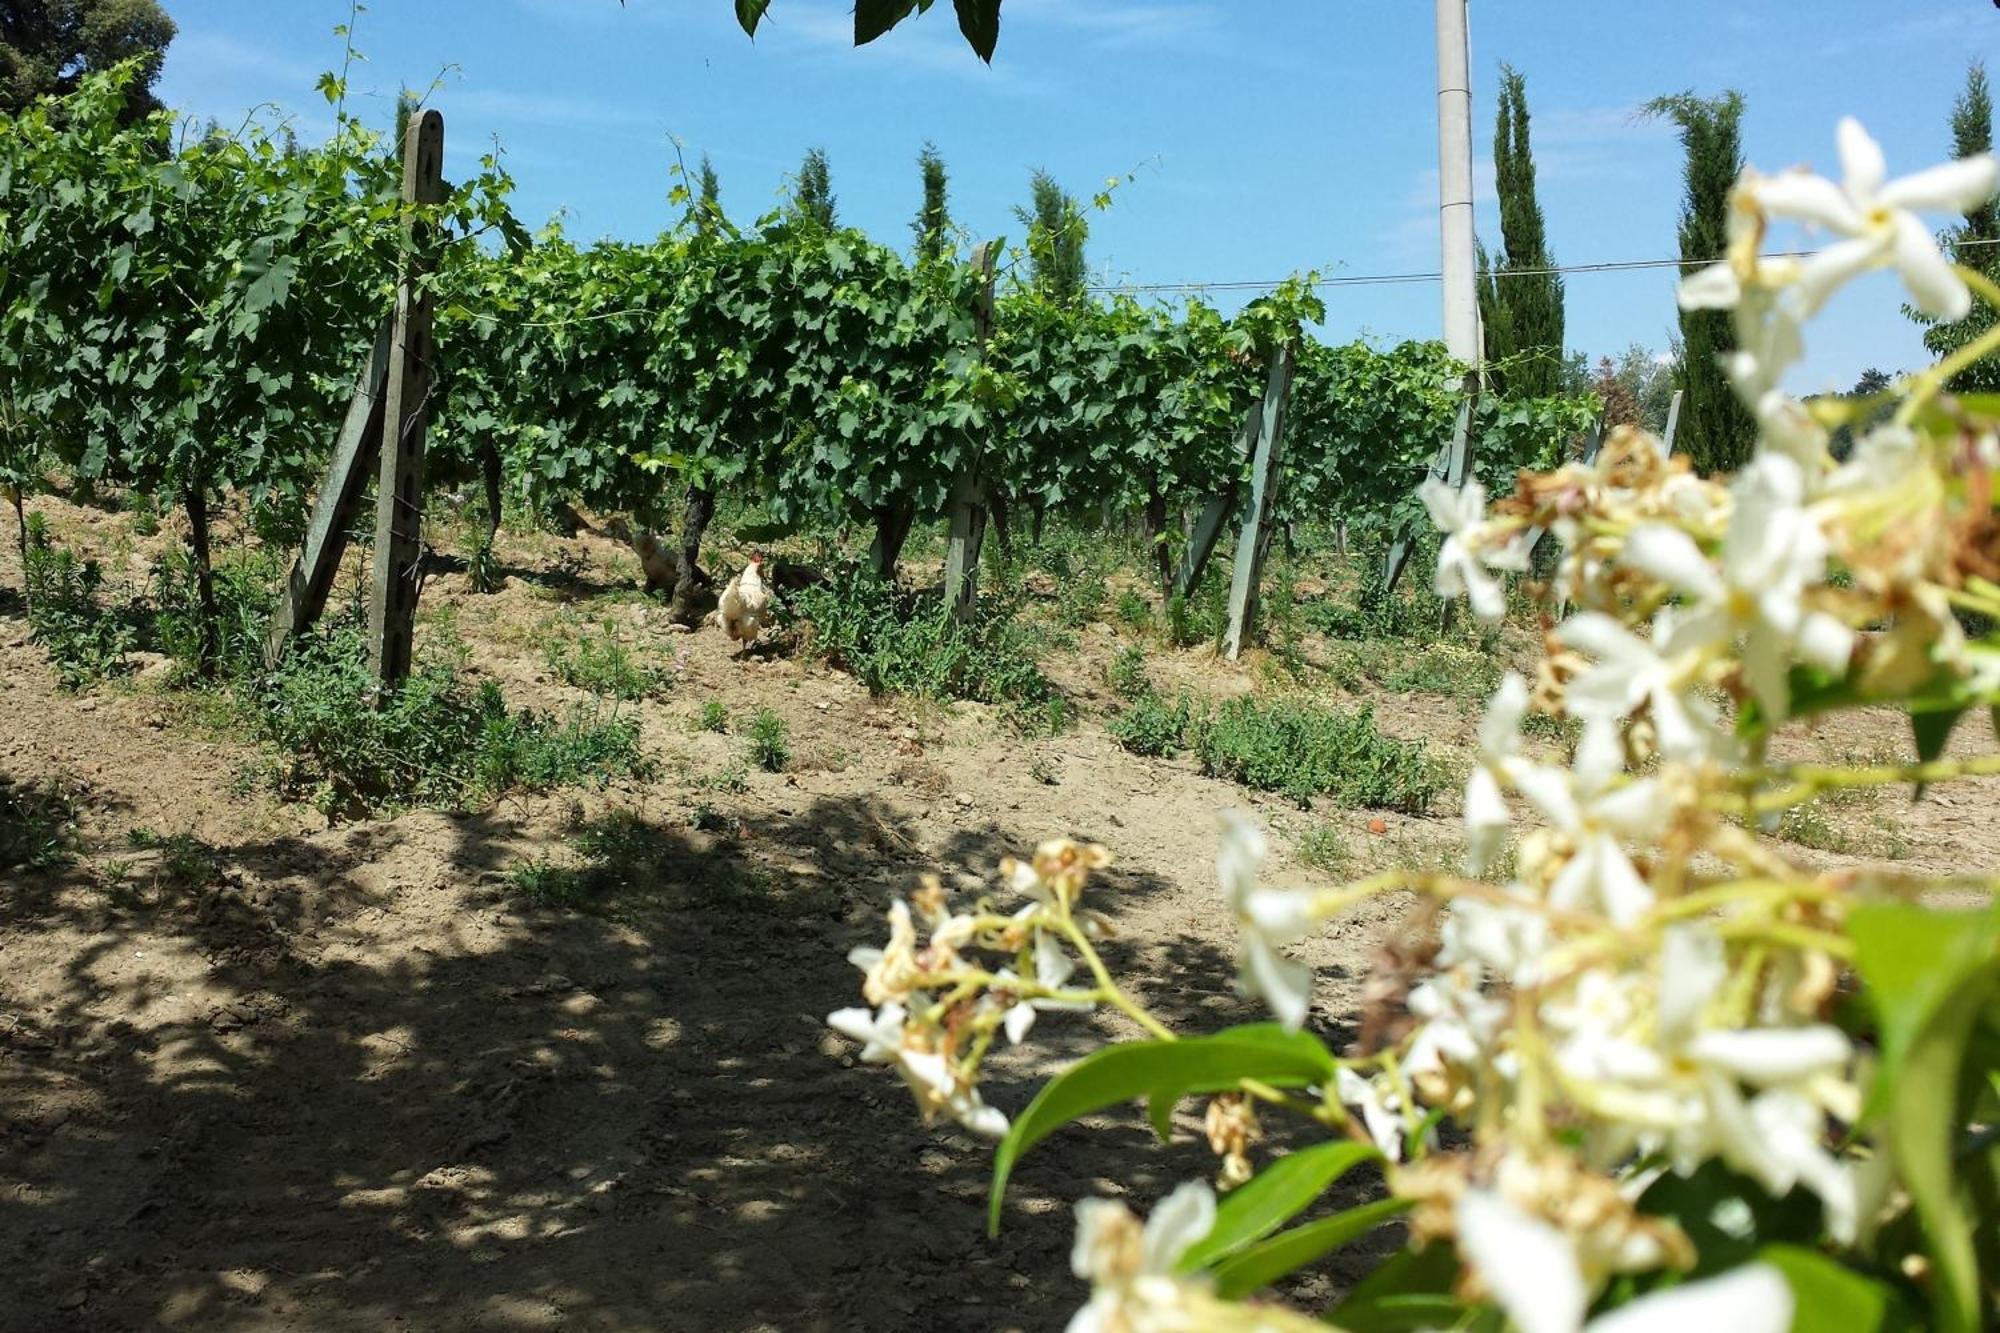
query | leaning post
(399,502)
(968,495)
(1255,538)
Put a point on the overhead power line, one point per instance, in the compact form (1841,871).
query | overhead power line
(1400,279)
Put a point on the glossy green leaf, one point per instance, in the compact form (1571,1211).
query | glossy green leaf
(1832,1298)
(1929,975)
(1410,1290)
(1130,1070)
(872,18)
(1282,1190)
(1287,1252)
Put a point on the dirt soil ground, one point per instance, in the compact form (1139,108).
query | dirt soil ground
(356,1083)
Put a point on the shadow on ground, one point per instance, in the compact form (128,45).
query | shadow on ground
(624,1115)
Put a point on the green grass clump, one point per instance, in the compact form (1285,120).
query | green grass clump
(598,662)
(1153,727)
(1132,610)
(1305,749)
(1128,673)
(1293,745)
(85,639)
(439,740)
(38,824)
(714,716)
(1324,849)
(185,862)
(897,643)
(770,741)
(610,854)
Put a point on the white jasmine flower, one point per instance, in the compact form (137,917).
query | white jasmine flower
(1053,969)
(1774,551)
(1461,569)
(1266,920)
(1630,673)
(1588,808)
(885,1040)
(1879,219)
(1533,1273)
(1459,1025)
(1381,1109)
(1130,1268)
(1509,940)
(1486,814)
(880,1034)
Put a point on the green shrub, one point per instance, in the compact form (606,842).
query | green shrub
(482,563)
(37,824)
(85,640)
(1128,673)
(899,643)
(1442,668)
(1305,749)
(714,716)
(1132,609)
(145,513)
(598,662)
(438,740)
(770,741)
(1152,727)
(246,593)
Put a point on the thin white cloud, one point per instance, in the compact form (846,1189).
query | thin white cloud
(199,57)
(504,107)
(1120,23)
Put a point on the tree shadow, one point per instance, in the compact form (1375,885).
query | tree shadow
(627,1114)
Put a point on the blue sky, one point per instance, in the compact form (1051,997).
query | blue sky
(1263,136)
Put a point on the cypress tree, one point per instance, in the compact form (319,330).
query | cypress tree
(1520,303)
(813,199)
(708,197)
(1716,431)
(1056,233)
(1975,243)
(933,223)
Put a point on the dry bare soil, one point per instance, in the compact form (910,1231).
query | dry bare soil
(356,1081)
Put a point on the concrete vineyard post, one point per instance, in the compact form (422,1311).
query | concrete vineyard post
(406,413)
(354,454)
(968,499)
(1255,538)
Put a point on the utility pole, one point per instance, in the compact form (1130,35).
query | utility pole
(1454,91)
(1453,463)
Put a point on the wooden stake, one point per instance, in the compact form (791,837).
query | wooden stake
(354,453)
(967,532)
(399,499)
(1255,538)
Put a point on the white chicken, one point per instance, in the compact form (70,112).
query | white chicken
(745,606)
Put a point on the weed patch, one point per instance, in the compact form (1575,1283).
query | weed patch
(38,824)
(598,662)
(85,640)
(895,643)
(438,740)
(770,741)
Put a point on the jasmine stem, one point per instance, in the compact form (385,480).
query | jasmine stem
(1113,996)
